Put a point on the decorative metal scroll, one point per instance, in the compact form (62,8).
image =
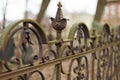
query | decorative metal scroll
(24,52)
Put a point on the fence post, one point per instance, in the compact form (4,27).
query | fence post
(58,23)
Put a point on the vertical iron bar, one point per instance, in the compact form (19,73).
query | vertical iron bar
(58,45)
(93,59)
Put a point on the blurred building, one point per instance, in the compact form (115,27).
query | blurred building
(111,14)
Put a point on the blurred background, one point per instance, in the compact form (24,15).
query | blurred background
(91,12)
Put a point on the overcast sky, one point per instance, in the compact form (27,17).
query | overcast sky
(16,8)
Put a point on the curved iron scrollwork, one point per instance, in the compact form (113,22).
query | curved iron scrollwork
(25,52)
(79,36)
(22,50)
(34,74)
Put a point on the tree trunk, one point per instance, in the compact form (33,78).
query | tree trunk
(4,14)
(42,10)
(100,8)
(26,12)
(99,11)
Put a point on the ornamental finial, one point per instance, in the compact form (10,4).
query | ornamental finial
(59,23)
(59,5)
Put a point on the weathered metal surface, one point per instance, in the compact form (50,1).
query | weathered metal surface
(77,26)
(59,23)
(80,57)
(11,30)
(8,30)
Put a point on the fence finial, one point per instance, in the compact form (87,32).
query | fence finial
(59,5)
(59,23)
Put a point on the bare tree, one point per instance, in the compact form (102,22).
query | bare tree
(26,12)
(42,10)
(99,10)
(4,7)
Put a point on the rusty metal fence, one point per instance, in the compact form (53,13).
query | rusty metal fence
(24,52)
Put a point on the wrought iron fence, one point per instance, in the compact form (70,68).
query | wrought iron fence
(79,57)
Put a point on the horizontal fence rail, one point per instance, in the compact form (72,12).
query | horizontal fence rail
(27,54)
(39,67)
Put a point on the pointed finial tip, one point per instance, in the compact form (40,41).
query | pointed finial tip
(59,5)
